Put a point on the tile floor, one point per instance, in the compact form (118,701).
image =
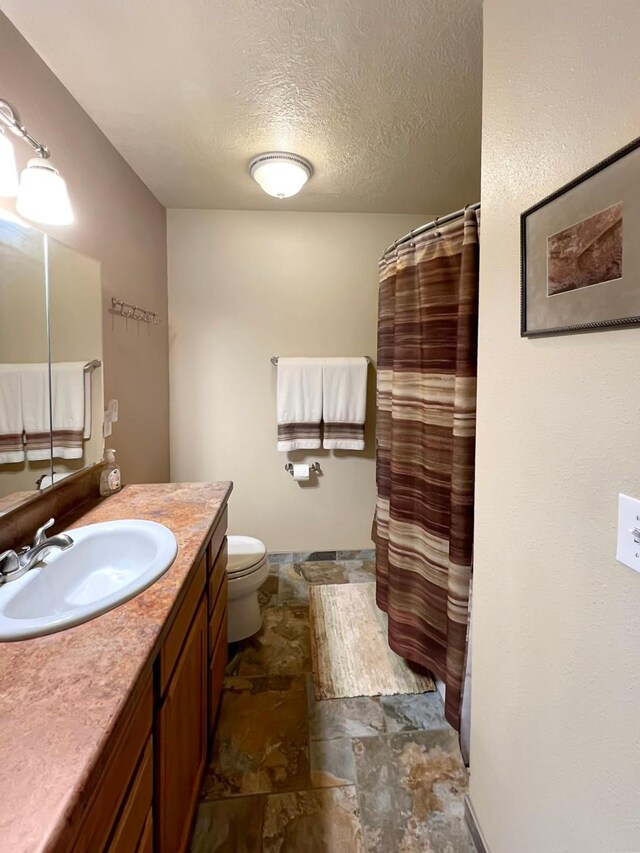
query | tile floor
(290,774)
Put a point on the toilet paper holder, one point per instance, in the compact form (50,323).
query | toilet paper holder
(314,468)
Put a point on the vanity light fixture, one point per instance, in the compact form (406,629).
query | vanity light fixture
(280,174)
(42,192)
(8,170)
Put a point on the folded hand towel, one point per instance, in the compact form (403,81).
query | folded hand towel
(34,387)
(68,409)
(299,406)
(344,402)
(11,426)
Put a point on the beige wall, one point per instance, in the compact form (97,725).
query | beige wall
(120,223)
(555,749)
(244,286)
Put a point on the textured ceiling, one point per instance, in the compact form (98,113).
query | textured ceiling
(383,96)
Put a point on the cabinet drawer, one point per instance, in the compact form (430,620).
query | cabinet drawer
(117,775)
(216,540)
(131,823)
(216,671)
(215,620)
(218,575)
(180,625)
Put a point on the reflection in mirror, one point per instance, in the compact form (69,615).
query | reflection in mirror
(51,416)
(75,334)
(24,351)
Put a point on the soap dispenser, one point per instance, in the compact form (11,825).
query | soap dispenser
(110,477)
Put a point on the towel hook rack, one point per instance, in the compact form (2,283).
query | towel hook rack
(134,312)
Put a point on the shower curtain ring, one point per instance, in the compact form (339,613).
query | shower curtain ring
(436,233)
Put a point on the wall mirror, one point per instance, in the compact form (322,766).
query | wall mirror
(51,389)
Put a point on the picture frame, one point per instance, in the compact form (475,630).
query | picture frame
(580,251)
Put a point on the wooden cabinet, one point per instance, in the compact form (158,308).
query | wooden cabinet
(129,830)
(217,663)
(146,793)
(124,793)
(217,595)
(178,631)
(182,740)
(145,845)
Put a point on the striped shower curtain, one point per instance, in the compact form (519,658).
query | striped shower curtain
(426,399)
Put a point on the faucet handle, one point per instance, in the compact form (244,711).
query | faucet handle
(41,535)
(9,564)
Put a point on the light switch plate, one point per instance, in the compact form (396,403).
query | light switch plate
(628,550)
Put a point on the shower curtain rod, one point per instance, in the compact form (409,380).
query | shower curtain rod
(439,220)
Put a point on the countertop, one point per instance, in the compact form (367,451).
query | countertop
(61,695)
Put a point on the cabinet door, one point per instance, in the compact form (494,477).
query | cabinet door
(130,826)
(110,797)
(182,724)
(217,664)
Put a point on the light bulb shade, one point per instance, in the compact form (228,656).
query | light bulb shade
(280,174)
(8,170)
(43,195)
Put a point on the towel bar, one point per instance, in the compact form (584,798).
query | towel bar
(274,359)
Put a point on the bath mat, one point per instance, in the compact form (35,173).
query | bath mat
(349,649)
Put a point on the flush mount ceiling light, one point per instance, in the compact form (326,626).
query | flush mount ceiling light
(280,174)
(42,192)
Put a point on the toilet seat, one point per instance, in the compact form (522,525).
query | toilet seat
(245,555)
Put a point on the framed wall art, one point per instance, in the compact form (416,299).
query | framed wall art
(580,251)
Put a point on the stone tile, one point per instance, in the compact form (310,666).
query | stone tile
(412,788)
(268,592)
(363,554)
(261,742)
(320,821)
(293,589)
(360,571)
(281,647)
(413,712)
(313,556)
(229,826)
(343,718)
(322,572)
(281,557)
(331,763)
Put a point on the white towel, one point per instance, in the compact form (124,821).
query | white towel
(344,403)
(68,410)
(34,387)
(11,426)
(299,405)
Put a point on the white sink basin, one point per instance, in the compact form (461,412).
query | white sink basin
(108,564)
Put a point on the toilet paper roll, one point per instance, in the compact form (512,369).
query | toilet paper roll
(301,472)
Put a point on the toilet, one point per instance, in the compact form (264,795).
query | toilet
(247,570)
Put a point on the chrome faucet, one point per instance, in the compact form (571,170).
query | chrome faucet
(14,564)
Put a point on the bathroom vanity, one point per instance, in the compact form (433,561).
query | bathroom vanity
(106,726)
